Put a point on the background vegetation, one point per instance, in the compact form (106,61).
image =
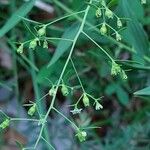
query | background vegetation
(27,76)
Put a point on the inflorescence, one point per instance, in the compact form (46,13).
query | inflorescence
(40,39)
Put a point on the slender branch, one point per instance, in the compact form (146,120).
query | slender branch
(47,143)
(24,119)
(36,90)
(63,71)
(77,75)
(72,123)
(98,46)
(64,17)
(57,2)
(55,38)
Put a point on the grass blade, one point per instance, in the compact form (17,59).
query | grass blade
(15,18)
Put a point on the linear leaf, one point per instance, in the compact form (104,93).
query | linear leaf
(135,33)
(63,46)
(145,91)
(122,95)
(16,17)
(113,2)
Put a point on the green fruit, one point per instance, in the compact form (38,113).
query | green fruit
(86,100)
(64,90)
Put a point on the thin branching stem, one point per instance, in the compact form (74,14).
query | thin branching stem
(98,46)
(72,123)
(63,71)
(64,17)
(77,75)
(61,5)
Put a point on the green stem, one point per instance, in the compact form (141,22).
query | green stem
(47,143)
(72,123)
(55,38)
(72,14)
(63,71)
(77,75)
(13,35)
(37,96)
(61,5)
(24,119)
(98,46)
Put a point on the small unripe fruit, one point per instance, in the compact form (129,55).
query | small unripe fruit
(108,13)
(86,100)
(98,13)
(64,90)
(143,1)
(32,110)
(123,75)
(115,70)
(33,44)
(118,37)
(45,44)
(20,49)
(42,31)
(103,29)
(119,23)
(52,91)
(103,3)
(81,135)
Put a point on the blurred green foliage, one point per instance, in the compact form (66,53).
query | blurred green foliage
(125,117)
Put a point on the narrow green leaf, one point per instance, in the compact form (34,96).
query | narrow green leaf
(19,145)
(52,73)
(145,91)
(135,34)
(63,46)
(122,95)
(112,3)
(110,89)
(16,17)
(49,73)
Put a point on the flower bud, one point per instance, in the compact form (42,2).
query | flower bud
(20,49)
(5,123)
(143,1)
(32,110)
(123,75)
(64,90)
(98,13)
(103,29)
(119,23)
(81,135)
(33,43)
(103,3)
(85,100)
(52,91)
(118,36)
(45,44)
(115,69)
(108,13)
(42,31)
